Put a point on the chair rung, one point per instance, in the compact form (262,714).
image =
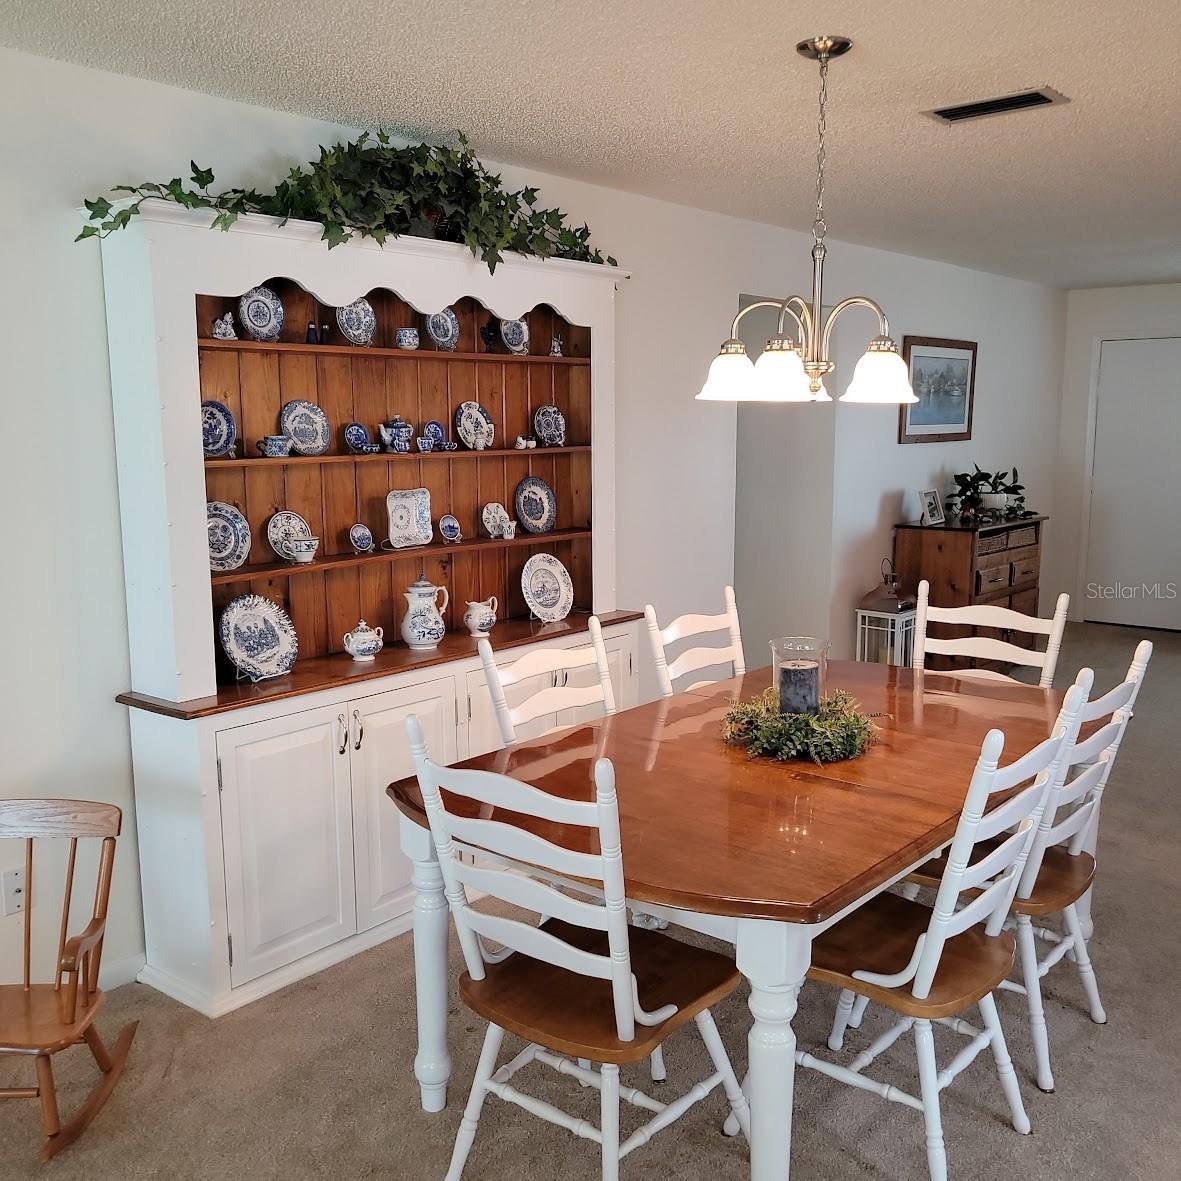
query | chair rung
(1048,935)
(1057,953)
(506,1072)
(670,1114)
(963,1059)
(880,1045)
(966,1028)
(844,1075)
(545,1111)
(592,1078)
(1012,986)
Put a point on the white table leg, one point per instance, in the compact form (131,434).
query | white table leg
(432,1063)
(774,958)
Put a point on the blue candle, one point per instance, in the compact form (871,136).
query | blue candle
(799,687)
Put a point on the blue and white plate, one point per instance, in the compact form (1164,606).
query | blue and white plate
(258,637)
(356,435)
(260,311)
(361,538)
(306,425)
(409,513)
(435,431)
(449,528)
(443,329)
(286,526)
(473,425)
(548,590)
(549,425)
(219,432)
(357,322)
(536,505)
(229,536)
(515,334)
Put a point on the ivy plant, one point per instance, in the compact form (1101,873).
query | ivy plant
(837,731)
(379,190)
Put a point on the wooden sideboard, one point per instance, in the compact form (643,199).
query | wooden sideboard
(969,563)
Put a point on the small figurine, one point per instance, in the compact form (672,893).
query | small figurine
(555,346)
(323,333)
(488,335)
(312,337)
(223,327)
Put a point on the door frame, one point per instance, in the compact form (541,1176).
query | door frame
(1084,547)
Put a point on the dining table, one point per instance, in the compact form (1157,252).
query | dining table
(761,853)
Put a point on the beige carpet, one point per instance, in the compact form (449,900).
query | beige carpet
(317,1080)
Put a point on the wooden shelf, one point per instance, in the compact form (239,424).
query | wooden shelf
(435,550)
(252,461)
(352,350)
(329,672)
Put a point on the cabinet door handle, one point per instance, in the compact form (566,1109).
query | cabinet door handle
(344,730)
(360,730)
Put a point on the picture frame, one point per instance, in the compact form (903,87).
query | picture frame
(932,503)
(943,376)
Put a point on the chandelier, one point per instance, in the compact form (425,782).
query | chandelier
(791,370)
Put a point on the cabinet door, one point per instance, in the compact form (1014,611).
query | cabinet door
(483,734)
(287,834)
(621,664)
(380,754)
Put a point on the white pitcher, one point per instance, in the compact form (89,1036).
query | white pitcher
(480,618)
(422,625)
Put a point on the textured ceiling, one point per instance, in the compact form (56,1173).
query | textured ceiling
(706,103)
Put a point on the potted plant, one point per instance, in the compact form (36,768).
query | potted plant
(979,491)
(967,499)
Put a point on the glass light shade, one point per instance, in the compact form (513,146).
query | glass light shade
(731,378)
(780,376)
(881,378)
(821,395)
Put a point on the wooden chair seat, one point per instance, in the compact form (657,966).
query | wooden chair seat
(880,937)
(37,1020)
(1062,879)
(574,1014)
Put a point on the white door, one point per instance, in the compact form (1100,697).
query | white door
(381,754)
(1134,544)
(621,663)
(483,734)
(287,832)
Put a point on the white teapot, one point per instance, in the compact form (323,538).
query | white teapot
(422,625)
(363,643)
(480,618)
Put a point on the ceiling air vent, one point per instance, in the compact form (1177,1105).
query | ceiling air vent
(1022,101)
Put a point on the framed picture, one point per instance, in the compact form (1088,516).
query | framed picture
(943,377)
(932,507)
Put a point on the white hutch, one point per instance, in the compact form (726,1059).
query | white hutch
(268,847)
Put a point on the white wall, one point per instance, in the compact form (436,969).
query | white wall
(1092,316)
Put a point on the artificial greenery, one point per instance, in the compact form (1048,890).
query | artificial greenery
(968,498)
(379,190)
(837,731)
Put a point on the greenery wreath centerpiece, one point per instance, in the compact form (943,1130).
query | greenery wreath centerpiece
(378,189)
(836,731)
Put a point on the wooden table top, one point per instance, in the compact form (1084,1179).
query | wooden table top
(708,829)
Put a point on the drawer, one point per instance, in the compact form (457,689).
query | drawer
(1026,535)
(992,578)
(994,543)
(1026,569)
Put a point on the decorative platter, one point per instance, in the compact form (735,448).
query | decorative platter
(474,426)
(536,505)
(258,637)
(356,435)
(229,536)
(495,517)
(306,425)
(357,322)
(515,334)
(449,527)
(443,329)
(286,526)
(548,590)
(435,431)
(260,311)
(409,512)
(219,432)
(361,538)
(549,425)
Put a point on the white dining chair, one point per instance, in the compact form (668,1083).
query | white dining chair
(559,696)
(694,659)
(581,985)
(1061,864)
(929,965)
(988,647)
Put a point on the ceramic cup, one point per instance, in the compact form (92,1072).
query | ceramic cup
(509,530)
(401,445)
(406,338)
(425,444)
(521,443)
(274,446)
(369,449)
(301,549)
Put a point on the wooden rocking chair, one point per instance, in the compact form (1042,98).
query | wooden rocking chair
(39,1020)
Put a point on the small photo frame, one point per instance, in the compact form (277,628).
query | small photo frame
(932,504)
(943,377)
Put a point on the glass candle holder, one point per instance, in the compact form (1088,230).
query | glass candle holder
(800,665)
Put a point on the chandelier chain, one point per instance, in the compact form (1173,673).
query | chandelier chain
(819,225)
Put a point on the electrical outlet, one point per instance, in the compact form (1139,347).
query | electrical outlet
(12,891)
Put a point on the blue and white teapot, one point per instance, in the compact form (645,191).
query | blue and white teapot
(422,625)
(363,643)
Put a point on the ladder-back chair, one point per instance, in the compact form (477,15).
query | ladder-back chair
(988,647)
(559,696)
(929,965)
(583,985)
(40,1020)
(694,659)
